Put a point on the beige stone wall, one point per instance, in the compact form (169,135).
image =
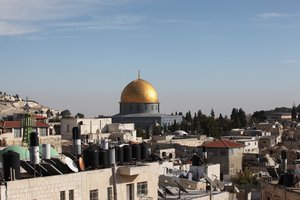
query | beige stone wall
(50,187)
(277,192)
(88,126)
(235,160)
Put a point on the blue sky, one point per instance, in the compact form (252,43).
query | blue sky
(79,55)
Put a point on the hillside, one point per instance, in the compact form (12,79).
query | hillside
(14,104)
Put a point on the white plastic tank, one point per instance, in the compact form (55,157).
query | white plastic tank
(46,151)
(104,144)
(297,167)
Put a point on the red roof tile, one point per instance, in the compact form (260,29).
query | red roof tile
(17,124)
(38,117)
(222,144)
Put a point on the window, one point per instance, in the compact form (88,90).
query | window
(130,191)
(109,193)
(68,128)
(152,107)
(17,133)
(94,194)
(43,132)
(62,195)
(145,107)
(222,152)
(71,194)
(142,188)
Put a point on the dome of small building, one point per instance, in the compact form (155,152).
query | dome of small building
(22,151)
(139,91)
(180,133)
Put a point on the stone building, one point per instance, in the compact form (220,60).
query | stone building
(12,133)
(273,191)
(94,129)
(139,105)
(131,182)
(229,154)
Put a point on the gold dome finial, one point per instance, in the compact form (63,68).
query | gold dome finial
(139,91)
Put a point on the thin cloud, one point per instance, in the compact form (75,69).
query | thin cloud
(119,22)
(290,61)
(19,17)
(7,29)
(181,21)
(273,15)
(37,10)
(266,16)
(173,21)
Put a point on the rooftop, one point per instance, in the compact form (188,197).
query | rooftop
(18,124)
(222,144)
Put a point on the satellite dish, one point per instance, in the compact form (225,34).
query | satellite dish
(69,162)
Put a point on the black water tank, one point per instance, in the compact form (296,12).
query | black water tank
(207,187)
(288,180)
(103,157)
(76,133)
(144,151)
(34,139)
(221,176)
(283,154)
(91,158)
(127,153)
(119,154)
(136,152)
(11,163)
(195,160)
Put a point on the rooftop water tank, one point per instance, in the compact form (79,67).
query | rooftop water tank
(11,165)
(127,152)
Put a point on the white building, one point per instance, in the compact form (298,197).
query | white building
(250,142)
(94,129)
(251,146)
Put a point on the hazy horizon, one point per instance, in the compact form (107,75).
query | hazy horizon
(197,55)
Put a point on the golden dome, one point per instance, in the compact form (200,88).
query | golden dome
(139,91)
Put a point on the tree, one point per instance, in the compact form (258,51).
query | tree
(259,116)
(294,113)
(238,118)
(65,113)
(246,177)
(243,118)
(79,115)
(235,119)
(212,113)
